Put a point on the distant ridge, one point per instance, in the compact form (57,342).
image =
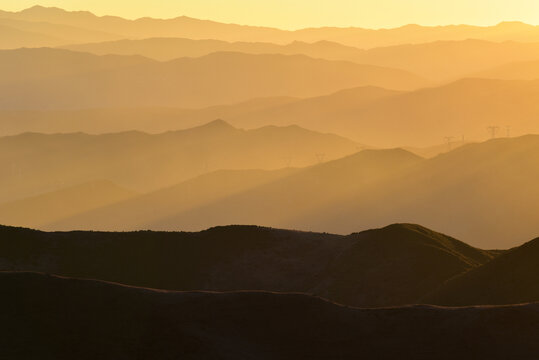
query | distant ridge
(435,60)
(147,162)
(74,80)
(203,29)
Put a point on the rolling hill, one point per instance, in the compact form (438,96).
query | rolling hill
(124,322)
(510,279)
(484,193)
(218,78)
(396,265)
(36,163)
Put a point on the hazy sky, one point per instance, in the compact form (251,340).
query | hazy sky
(304,13)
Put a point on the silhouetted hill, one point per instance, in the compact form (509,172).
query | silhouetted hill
(218,78)
(45,209)
(37,163)
(438,60)
(391,266)
(510,279)
(124,322)
(185,27)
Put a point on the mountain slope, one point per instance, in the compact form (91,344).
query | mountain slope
(524,70)
(245,325)
(19,65)
(438,60)
(12,38)
(315,112)
(44,209)
(142,212)
(510,279)
(391,266)
(107,120)
(284,198)
(38,163)
(218,78)
(368,115)
(47,34)
(484,193)
(423,117)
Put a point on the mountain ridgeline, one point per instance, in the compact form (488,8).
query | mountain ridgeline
(396,265)
(124,322)
(464,192)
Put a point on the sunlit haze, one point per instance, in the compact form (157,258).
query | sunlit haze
(269,179)
(293,14)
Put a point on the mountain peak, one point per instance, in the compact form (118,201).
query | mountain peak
(42,9)
(218,123)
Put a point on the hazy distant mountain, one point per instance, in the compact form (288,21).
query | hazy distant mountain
(19,33)
(395,265)
(527,70)
(510,279)
(246,325)
(439,60)
(289,196)
(11,38)
(420,118)
(219,78)
(369,115)
(316,112)
(36,163)
(450,60)
(186,27)
(166,49)
(483,193)
(107,120)
(30,66)
(44,209)
(144,211)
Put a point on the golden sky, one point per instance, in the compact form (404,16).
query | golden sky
(292,14)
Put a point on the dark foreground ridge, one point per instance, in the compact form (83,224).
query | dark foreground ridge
(84,319)
(511,278)
(396,265)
